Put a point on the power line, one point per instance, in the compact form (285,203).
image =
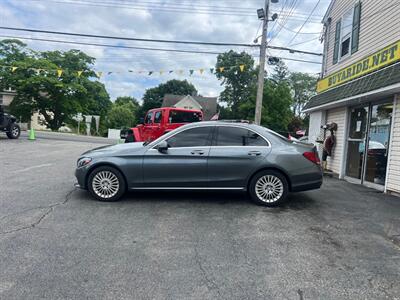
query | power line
(305,22)
(150,49)
(127,38)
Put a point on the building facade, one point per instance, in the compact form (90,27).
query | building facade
(206,104)
(359,90)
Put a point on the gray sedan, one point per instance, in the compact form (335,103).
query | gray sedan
(213,155)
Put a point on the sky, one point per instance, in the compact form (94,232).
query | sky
(222,21)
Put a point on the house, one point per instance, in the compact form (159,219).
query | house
(36,122)
(207,104)
(359,89)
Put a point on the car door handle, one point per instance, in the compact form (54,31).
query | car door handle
(254,153)
(199,152)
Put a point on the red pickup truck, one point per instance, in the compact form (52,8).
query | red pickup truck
(159,121)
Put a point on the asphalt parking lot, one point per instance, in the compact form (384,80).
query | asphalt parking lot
(339,242)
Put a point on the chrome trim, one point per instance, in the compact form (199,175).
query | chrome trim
(187,188)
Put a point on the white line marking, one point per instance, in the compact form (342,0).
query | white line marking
(33,167)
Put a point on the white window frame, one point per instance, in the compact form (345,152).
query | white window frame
(340,57)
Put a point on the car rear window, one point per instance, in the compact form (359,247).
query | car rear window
(235,136)
(176,116)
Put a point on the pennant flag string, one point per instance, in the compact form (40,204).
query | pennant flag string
(60,72)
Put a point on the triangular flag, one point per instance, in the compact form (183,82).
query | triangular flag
(130,71)
(109,73)
(170,71)
(151,72)
(13,69)
(180,72)
(221,69)
(99,74)
(241,68)
(191,72)
(80,73)
(161,71)
(140,72)
(201,71)
(59,72)
(211,70)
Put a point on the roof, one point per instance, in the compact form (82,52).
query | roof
(370,82)
(328,11)
(209,104)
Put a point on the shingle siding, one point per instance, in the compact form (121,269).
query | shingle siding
(379,27)
(393,181)
(338,116)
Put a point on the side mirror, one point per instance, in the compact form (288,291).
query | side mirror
(141,120)
(162,147)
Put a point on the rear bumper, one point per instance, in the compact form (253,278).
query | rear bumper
(307,186)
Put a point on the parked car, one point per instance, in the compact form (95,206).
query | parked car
(8,124)
(207,155)
(160,121)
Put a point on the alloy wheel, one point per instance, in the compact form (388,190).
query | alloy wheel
(269,188)
(105,184)
(15,132)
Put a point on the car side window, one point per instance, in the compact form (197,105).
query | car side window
(194,137)
(157,117)
(235,136)
(148,118)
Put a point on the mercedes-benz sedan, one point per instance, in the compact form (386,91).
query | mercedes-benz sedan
(213,155)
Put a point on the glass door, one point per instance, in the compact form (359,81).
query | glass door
(356,142)
(380,122)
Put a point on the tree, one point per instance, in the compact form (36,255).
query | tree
(122,115)
(303,87)
(239,85)
(281,71)
(40,86)
(126,99)
(276,112)
(153,97)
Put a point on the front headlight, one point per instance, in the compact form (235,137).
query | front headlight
(83,161)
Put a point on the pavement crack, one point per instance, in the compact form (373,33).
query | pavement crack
(211,285)
(35,223)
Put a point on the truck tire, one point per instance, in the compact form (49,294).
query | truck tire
(13,131)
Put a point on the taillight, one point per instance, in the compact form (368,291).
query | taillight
(312,156)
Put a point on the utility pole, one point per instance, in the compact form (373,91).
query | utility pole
(263,48)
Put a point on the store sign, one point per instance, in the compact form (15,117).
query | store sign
(364,66)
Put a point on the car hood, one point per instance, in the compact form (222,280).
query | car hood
(114,149)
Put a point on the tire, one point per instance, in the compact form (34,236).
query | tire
(101,181)
(14,131)
(269,188)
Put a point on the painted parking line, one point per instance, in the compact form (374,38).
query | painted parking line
(33,167)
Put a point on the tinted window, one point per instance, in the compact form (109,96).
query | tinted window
(176,116)
(158,116)
(235,136)
(148,118)
(195,137)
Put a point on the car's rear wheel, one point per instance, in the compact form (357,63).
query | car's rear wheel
(14,131)
(269,188)
(106,184)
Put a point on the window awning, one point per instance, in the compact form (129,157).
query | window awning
(379,79)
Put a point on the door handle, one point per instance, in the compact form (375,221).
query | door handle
(199,152)
(254,153)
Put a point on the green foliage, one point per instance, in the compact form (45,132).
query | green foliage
(122,115)
(238,85)
(153,97)
(277,101)
(126,99)
(303,87)
(281,72)
(39,88)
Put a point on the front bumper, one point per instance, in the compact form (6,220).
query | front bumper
(80,174)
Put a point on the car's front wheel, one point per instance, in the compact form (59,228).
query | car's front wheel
(269,188)
(106,184)
(14,131)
